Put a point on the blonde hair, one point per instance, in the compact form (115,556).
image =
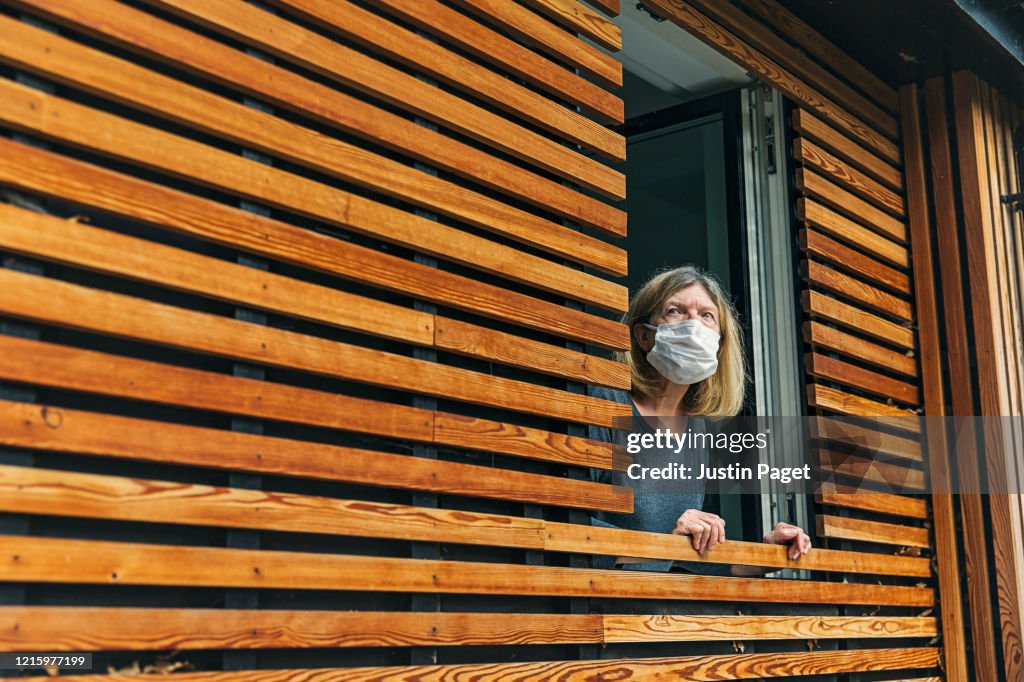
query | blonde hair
(721,394)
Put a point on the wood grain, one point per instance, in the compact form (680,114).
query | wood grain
(805,123)
(835,340)
(855,290)
(508,55)
(846,373)
(827,249)
(839,172)
(579,18)
(69,368)
(31,110)
(35,170)
(871,531)
(841,227)
(854,207)
(852,317)
(883,503)
(59,560)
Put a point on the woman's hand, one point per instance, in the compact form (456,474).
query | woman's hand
(705,530)
(788,534)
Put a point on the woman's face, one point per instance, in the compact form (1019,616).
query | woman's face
(689,303)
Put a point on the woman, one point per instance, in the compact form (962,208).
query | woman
(686,361)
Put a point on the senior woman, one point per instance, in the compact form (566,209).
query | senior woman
(686,361)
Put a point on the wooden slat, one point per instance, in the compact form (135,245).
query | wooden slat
(54,302)
(843,228)
(99,373)
(830,193)
(840,402)
(883,503)
(691,668)
(64,61)
(805,123)
(71,628)
(41,491)
(32,169)
(609,7)
(899,477)
(850,434)
(835,340)
(770,71)
(426,56)
(851,375)
(508,55)
(630,628)
(842,528)
(579,18)
(43,559)
(828,249)
(856,290)
(545,36)
(160,40)
(851,317)
(280,456)
(824,50)
(838,171)
(760,39)
(946,541)
(72,243)
(31,110)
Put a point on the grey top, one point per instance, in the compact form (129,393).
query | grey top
(654,512)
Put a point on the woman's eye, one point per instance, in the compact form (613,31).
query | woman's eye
(710,316)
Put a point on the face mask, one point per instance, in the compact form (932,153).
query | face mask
(685,352)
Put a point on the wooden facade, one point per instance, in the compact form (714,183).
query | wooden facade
(301,300)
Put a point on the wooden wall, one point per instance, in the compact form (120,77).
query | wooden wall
(295,313)
(967,138)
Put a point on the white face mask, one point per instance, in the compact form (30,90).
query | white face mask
(685,352)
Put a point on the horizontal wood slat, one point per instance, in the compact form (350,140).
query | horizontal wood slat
(56,628)
(871,531)
(72,243)
(428,57)
(29,109)
(54,302)
(280,456)
(901,476)
(35,170)
(835,340)
(813,156)
(484,43)
(883,503)
(758,37)
(822,189)
(544,36)
(769,70)
(837,312)
(36,491)
(44,559)
(164,42)
(843,228)
(581,19)
(815,44)
(68,368)
(851,375)
(856,290)
(824,248)
(852,435)
(841,402)
(807,124)
(691,668)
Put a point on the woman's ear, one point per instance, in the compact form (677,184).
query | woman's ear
(643,336)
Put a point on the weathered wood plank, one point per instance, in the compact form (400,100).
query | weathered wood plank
(35,170)
(818,334)
(42,559)
(72,243)
(547,37)
(32,110)
(69,368)
(629,628)
(54,302)
(843,528)
(44,491)
(805,123)
(506,54)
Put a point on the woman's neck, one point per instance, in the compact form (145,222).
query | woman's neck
(666,404)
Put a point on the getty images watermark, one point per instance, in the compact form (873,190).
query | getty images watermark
(759,455)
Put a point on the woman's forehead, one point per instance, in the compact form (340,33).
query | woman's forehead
(692,295)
